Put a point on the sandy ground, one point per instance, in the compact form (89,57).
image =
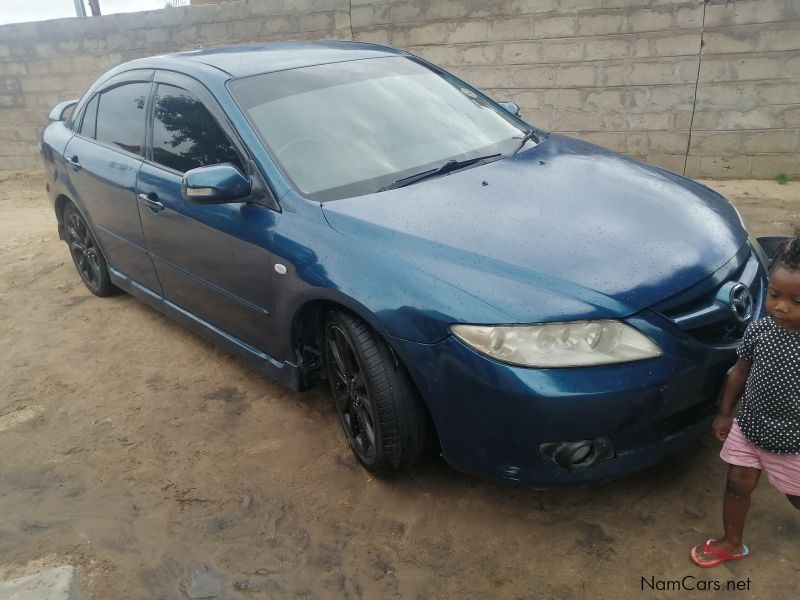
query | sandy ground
(162,467)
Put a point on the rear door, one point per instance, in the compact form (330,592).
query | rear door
(103,161)
(212,260)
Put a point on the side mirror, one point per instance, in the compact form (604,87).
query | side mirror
(215,184)
(62,111)
(511,107)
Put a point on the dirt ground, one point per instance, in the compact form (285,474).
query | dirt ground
(161,467)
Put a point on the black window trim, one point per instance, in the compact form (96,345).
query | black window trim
(79,125)
(134,76)
(199,91)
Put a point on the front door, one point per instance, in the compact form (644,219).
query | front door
(212,260)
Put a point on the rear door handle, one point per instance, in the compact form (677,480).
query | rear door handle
(152,202)
(76,164)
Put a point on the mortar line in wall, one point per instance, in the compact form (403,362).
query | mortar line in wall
(558,95)
(350,20)
(696,85)
(545,39)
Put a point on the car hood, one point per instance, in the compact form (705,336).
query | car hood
(563,230)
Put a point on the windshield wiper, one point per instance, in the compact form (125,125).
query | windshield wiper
(528,136)
(449,166)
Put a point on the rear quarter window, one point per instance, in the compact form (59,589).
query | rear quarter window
(89,121)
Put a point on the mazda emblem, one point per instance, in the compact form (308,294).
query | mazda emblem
(741,302)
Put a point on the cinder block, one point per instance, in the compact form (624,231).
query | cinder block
(772,141)
(20,133)
(460,9)
(689,17)
(576,120)
(247,29)
(769,37)
(120,40)
(515,53)
(484,54)
(649,20)
(438,54)
(743,96)
(563,51)
(525,7)
(213,31)
(751,67)
(677,45)
(518,28)
(468,31)
(615,47)
(768,166)
(648,72)
(156,37)
(373,36)
(577,75)
(717,143)
(11,101)
(742,12)
(733,167)
(668,142)
(670,162)
(13,68)
(60,583)
(431,33)
(692,169)
(167,17)
(315,22)
(405,13)
(181,36)
(520,77)
(547,26)
(232,11)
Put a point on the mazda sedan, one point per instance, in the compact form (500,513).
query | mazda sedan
(535,308)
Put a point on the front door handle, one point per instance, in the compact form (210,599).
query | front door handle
(76,164)
(152,202)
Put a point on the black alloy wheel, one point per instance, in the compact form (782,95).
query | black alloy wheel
(379,409)
(86,254)
(353,403)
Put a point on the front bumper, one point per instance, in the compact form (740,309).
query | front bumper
(492,419)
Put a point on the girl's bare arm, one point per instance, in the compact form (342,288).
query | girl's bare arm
(734,387)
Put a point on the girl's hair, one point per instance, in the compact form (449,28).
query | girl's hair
(788,255)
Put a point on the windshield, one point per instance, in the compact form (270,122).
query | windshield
(346,129)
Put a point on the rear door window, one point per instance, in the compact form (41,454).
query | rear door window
(185,135)
(121,117)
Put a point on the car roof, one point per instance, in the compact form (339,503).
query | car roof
(253,59)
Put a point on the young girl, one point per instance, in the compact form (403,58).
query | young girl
(765,436)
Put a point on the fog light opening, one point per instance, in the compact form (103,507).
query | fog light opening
(578,455)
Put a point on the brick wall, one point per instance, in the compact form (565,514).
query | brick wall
(710,89)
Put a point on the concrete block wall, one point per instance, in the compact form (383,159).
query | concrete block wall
(707,88)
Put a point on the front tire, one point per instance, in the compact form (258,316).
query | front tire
(379,409)
(86,253)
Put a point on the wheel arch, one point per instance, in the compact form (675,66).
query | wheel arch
(308,330)
(59,205)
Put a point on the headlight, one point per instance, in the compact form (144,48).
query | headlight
(572,344)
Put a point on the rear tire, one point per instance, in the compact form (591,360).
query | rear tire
(379,408)
(86,253)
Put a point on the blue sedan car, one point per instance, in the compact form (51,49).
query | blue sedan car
(536,308)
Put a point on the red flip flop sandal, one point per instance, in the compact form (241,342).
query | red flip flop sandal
(719,556)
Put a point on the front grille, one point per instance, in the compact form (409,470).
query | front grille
(698,311)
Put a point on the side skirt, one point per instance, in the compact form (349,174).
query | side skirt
(286,373)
